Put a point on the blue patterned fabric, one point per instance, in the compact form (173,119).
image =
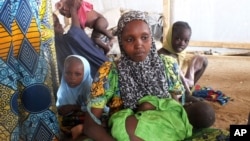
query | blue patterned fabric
(27,64)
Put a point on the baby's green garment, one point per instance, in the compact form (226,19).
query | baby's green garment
(168,122)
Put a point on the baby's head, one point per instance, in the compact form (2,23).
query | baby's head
(63,8)
(200,114)
(73,71)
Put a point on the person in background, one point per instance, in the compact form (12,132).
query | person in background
(88,17)
(77,42)
(136,88)
(73,93)
(176,42)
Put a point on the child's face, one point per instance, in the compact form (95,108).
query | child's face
(180,39)
(73,73)
(136,40)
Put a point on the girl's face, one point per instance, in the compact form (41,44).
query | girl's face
(180,39)
(136,40)
(73,73)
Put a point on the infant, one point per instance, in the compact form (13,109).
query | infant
(88,17)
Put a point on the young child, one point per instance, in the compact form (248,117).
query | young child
(200,114)
(88,17)
(73,93)
(177,41)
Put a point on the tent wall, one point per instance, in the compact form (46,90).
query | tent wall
(215,23)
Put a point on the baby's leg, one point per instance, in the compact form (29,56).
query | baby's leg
(96,38)
(101,25)
(196,69)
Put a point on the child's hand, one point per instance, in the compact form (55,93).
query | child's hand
(74,4)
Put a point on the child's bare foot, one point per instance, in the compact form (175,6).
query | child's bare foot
(77,131)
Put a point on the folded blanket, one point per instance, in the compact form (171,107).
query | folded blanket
(210,94)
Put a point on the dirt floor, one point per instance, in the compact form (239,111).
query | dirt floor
(231,75)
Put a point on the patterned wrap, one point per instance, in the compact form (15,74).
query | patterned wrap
(27,64)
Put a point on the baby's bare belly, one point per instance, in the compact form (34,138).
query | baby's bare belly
(91,18)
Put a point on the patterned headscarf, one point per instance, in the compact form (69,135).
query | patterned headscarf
(138,79)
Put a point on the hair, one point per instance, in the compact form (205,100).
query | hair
(181,25)
(200,114)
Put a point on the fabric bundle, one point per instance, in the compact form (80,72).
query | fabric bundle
(210,94)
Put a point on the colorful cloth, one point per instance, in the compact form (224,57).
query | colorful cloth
(210,94)
(28,76)
(209,134)
(105,88)
(105,91)
(173,77)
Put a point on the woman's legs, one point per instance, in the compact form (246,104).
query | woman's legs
(101,25)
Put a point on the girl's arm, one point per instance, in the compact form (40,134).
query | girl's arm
(74,6)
